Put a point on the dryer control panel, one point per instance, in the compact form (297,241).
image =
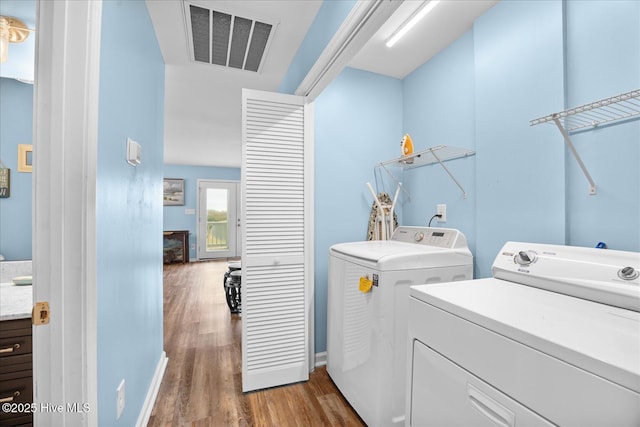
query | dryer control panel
(448,238)
(601,275)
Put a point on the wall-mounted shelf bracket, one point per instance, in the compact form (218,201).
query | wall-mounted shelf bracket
(437,154)
(396,181)
(605,111)
(567,140)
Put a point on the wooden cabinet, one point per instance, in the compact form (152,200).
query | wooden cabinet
(16,370)
(175,246)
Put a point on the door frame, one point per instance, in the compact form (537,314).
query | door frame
(66,91)
(238,228)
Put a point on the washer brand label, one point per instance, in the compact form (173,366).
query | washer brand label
(375,279)
(507,253)
(522,270)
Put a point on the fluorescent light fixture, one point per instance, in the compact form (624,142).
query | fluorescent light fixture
(412,21)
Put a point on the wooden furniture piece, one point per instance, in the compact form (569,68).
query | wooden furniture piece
(175,246)
(16,372)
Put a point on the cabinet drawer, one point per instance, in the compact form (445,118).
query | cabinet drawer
(15,367)
(15,328)
(16,380)
(17,391)
(14,346)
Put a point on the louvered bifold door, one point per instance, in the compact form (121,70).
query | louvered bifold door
(277,259)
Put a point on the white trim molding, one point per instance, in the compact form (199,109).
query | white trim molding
(309,176)
(364,20)
(64,222)
(152,393)
(321,359)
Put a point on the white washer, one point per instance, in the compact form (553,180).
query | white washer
(367,332)
(552,339)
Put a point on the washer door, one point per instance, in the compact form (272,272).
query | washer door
(445,394)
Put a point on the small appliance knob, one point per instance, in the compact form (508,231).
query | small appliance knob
(418,236)
(628,273)
(525,258)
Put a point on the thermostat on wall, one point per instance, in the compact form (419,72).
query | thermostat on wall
(134,152)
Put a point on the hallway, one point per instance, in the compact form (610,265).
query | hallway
(202,385)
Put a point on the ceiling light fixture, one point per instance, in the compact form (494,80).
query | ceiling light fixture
(12,30)
(412,21)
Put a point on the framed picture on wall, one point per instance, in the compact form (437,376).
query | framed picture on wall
(173,194)
(5,182)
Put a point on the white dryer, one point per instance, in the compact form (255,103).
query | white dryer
(552,339)
(367,326)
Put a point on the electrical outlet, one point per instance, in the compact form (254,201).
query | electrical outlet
(120,398)
(442,210)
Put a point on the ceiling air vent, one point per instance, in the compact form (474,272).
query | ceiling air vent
(224,39)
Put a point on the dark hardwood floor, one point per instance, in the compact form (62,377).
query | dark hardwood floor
(202,385)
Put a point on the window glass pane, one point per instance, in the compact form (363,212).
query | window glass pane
(217,219)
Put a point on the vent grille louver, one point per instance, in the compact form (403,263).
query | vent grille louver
(223,39)
(220,43)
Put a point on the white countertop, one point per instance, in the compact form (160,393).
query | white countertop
(15,301)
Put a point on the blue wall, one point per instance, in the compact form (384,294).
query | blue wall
(603,59)
(512,67)
(129,209)
(16,127)
(358,123)
(439,109)
(480,93)
(174,216)
(327,21)
(521,60)
(519,76)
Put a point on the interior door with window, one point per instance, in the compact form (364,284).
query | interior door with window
(218,219)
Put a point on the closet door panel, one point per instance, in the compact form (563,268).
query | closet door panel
(276,279)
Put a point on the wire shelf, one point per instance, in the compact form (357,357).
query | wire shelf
(429,156)
(620,107)
(437,154)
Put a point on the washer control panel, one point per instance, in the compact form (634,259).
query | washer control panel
(448,238)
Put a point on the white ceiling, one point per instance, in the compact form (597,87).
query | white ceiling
(203,102)
(442,26)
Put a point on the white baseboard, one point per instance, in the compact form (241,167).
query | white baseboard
(321,359)
(152,393)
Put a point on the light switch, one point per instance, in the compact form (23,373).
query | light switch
(134,152)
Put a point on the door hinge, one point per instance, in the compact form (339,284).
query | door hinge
(40,314)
